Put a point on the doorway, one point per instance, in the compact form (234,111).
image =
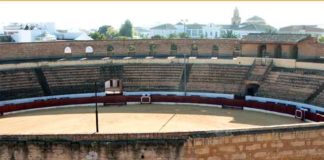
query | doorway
(252,89)
(262,50)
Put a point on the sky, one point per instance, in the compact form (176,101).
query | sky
(91,15)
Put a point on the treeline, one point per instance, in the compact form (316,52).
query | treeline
(105,32)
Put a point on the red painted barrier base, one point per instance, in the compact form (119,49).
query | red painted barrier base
(280,108)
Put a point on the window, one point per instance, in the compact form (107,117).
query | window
(110,48)
(89,49)
(194,33)
(67,50)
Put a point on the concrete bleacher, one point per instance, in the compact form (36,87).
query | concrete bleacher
(217,78)
(19,84)
(71,79)
(143,77)
(287,84)
(319,100)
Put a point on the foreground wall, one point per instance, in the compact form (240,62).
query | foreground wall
(311,49)
(284,142)
(120,47)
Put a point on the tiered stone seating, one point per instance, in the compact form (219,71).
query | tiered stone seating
(20,83)
(319,100)
(217,78)
(72,79)
(141,77)
(294,86)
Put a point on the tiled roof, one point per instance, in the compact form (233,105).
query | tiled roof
(256,27)
(140,29)
(166,26)
(194,26)
(274,38)
(298,28)
(256,18)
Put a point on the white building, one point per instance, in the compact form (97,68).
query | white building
(254,24)
(212,31)
(40,32)
(314,30)
(163,30)
(30,32)
(76,36)
(194,30)
(142,32)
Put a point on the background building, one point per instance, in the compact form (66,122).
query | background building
(40,32)
(314,30)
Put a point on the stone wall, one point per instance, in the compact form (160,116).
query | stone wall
(304,141)
(310,49)
(120,47)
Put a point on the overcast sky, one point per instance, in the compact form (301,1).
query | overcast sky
(88,15)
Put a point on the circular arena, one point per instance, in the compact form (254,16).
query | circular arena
(146,118)
(226,103)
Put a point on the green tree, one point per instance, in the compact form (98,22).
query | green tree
(111,33)
(126,29)
(173,36)
(97,36)
(103,29)
(157,37)
(229,34)
(321,39)
(183,35)
(122,38)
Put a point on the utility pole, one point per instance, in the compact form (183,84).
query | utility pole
(184,26)
(185,75)
(96,98)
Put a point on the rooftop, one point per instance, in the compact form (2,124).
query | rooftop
(299,28)
(256,27)
(194,26)
(274,38)
(164,27)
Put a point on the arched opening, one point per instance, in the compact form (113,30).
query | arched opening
(131,50)
(251,89)
(194,49)
(294,54)
(278,52)
(262,50)
(152,48)
(88,50)
(237,50)
(215,51)
(110,50)
(67,50)
(174,48)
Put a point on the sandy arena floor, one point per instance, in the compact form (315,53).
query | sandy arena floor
(136,118)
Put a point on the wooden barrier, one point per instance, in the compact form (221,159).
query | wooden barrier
(280,108)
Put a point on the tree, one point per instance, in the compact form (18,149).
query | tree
(228,34)
(103,29)
(126,29)
(122,38)
(111,33)
(97,36)
(173,36)
(321,39)
(183,35)
(157,37)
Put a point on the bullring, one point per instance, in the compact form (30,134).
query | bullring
(246,74)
